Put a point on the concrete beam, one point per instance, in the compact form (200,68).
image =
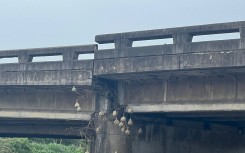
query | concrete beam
(166,108)
(220,93)
(47,78)
(50,103)
(202,60)
(18,114)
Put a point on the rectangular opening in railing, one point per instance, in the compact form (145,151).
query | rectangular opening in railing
(50,58)
(86,56)
(213,37)
(106,46)
(8,60)
(153,42)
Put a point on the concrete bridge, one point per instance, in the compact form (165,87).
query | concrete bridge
(186,97)
(36,97)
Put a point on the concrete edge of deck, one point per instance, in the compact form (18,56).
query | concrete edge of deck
(144,108)
(45,115)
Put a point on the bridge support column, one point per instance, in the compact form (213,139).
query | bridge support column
(111,139)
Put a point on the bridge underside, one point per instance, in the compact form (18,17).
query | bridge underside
(200,132)
(43,128)
(187,111)
(35,96)
(43,111)
(190,135)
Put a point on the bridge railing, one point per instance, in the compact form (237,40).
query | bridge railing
(70,70)
(69,53)
(182,40)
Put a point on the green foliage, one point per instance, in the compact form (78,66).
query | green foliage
(54,148)
(76,142)
(6,147)
(14,146)
(24,145)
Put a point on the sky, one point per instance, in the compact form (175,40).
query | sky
(48,23)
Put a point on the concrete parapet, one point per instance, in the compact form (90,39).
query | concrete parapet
(69,53)
(125,58)
(69,71)
(180,35)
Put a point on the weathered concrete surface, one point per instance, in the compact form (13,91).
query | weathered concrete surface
(192,47)
(40,91)
(168,33)
(190,79)
(187,93)
(44,100)
(70,71)
(111,139)
(171,62)
(67,77)
(69,53)
(182,55)
(164,80)
(36,111)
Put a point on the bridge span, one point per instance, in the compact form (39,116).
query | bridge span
(183,97)
(36,97)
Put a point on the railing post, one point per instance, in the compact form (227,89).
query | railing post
(182,38)
(121,43)
(23,57)
(68,56)
(242,33)
(179,40)
(242,37)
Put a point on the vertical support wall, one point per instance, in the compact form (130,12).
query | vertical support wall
(110,139)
